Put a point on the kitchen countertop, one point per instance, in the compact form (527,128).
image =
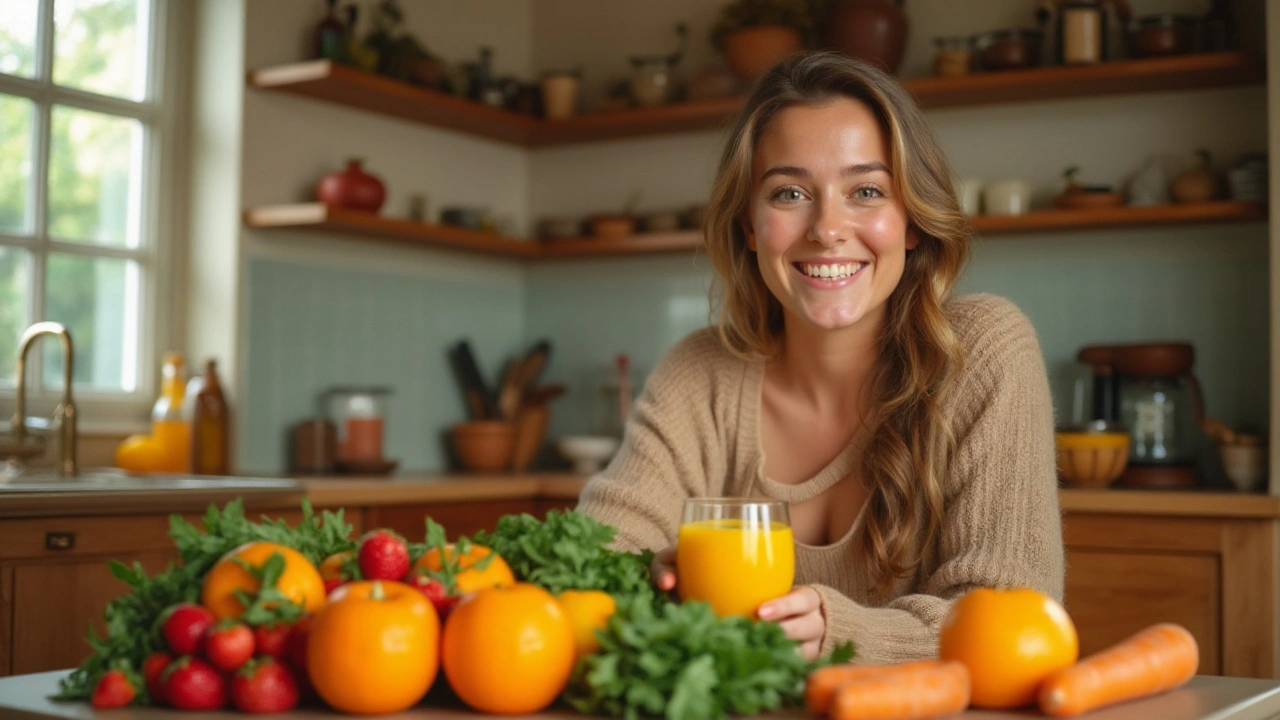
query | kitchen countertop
(362,491)
(1203,698)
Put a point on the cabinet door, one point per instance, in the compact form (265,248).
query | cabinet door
(1113,594)
(55,603)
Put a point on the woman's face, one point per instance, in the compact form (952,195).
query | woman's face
(829,233)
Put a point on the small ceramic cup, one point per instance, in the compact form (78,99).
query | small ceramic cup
(560,95)
(1007,197)
(969,195)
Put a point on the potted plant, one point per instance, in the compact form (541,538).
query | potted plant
(756,34)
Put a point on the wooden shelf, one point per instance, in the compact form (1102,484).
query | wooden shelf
(321,218)
(326,80)
(1119,217)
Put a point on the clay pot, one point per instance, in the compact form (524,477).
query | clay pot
(751,51)
(352,188)
(1198,184)
(870,30)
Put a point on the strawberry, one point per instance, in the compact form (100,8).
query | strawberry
(264,686)
(383,556)
(228,644)
(434,591)
(298,645)
(331,584)
(153,671)
(192,684)
(184,626)
(273,640)
(114,690)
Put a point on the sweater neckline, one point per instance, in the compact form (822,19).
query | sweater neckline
(750,412)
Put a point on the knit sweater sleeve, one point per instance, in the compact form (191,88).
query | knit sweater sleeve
(671,449)
(1002,525)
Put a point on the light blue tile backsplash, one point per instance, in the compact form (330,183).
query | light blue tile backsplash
(311,326)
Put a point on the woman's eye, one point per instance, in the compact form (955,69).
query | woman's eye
(788,195)
(867,193)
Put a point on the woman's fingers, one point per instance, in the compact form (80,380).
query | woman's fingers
(800,601)
(663,569)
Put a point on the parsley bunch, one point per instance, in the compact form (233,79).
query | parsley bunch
(682,662)
(568,551)
(133,620)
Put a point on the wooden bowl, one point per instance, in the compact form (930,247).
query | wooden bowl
(1091,459)
(612,226)
(484,445)
(1088,200)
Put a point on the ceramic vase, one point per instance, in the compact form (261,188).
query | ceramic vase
(751,51)
(352,188)
(870,30)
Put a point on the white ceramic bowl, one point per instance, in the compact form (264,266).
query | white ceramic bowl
(587,452)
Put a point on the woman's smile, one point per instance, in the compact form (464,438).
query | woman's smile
(830,275)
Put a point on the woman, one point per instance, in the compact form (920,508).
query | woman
(911,434)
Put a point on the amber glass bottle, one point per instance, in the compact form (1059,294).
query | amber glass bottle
(210,426)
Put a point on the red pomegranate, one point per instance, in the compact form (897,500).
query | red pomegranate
(352,188)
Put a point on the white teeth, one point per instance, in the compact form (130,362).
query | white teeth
(830,272)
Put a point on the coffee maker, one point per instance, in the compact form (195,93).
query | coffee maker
(1149,390)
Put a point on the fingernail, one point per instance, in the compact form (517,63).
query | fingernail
(765,612)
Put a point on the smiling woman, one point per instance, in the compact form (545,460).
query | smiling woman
(909,432)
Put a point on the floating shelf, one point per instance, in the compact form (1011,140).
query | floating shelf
(326,80)
(319,217)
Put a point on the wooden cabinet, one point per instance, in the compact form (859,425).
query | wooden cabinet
(458,518)
(1215,576)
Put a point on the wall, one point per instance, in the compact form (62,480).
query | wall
(1207,284)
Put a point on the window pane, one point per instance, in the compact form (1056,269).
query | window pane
(95,175)
(97,300)
(16,118)
(101,46)
(14,266)
(18,37)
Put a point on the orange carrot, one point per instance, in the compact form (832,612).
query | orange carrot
(907,693)
(822,684)
(1154,660)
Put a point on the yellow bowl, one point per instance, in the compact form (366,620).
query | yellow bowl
(1092,459)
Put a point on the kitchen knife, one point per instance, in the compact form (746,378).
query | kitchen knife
(479,401)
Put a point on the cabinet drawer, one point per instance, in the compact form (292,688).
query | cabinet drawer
(1111,595)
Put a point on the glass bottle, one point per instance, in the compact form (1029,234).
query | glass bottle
(171,430)
(209,427)
(329,34)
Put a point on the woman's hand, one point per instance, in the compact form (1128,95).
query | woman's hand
(663,569)
(799,612)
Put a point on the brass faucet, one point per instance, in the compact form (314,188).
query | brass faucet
(64,415)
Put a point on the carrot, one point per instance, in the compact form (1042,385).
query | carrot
(822,684)
(912,692)
(1154,660)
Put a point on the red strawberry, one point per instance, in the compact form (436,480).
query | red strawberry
(192,684)
(264,686)
(114,690)
(383,556)
(273,640)
(153,672)
(228,645)
(184,627)
(331,584)
(298,644)
(434,590)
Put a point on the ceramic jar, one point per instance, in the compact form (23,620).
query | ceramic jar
(870,30)
(1007,197)
(352,188)
(560,95)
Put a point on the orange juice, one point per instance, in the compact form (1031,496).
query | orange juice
(734,565)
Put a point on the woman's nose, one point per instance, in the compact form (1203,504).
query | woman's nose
(830,225)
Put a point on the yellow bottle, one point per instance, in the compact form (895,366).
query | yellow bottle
(172,432)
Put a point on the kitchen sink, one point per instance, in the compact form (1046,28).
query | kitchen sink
(112,480)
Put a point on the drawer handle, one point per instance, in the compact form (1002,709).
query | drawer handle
(59,540)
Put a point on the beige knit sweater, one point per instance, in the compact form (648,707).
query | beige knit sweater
(695,432)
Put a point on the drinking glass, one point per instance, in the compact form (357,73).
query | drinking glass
(734,553)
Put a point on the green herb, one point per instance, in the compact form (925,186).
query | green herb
(133,620)
(683,663)
(268,606)
(568,551)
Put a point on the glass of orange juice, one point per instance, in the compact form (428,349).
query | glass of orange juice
(734,553)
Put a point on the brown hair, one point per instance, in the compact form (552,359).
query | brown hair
(911,440)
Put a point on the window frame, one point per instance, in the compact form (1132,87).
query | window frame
(160,213)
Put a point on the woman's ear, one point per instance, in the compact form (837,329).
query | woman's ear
(913,237)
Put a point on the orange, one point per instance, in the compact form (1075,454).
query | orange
(373,648)
(588,610)
(300,581)
(1010,640)
(508,650)
(496,573)
(331,567)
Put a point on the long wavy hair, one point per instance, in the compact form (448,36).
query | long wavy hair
(911,441)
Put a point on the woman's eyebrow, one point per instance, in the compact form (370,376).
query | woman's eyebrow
(793,171)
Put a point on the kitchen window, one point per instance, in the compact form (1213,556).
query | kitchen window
(85,195)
